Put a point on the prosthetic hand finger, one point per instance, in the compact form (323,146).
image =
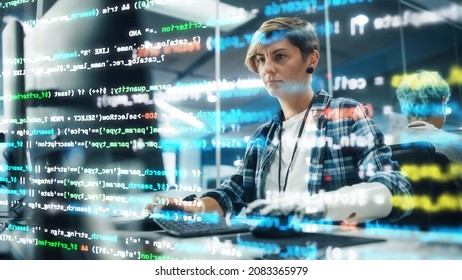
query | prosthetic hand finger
(257,205)
(313,208)
(281,207)
(271,209)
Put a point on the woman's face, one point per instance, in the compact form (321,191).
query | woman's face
(282,69)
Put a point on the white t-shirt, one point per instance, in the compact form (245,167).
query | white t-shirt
(297,176)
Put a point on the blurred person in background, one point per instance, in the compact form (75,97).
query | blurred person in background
(423,98)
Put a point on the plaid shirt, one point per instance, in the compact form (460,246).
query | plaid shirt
(350,149)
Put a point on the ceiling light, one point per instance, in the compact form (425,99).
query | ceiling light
(178,114)
(204,11)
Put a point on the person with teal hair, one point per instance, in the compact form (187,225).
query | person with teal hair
(423,98)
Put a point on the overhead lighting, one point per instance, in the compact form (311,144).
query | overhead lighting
(178,114)
(358,22)
(211,86)
(204,11)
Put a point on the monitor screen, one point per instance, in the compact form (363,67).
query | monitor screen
(106,103)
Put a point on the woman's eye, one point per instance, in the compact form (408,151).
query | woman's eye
(260,60)
(280,56)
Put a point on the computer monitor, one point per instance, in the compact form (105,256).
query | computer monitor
(83,143)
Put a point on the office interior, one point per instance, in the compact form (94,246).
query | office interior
(106,103)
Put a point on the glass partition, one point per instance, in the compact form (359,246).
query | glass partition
(105,103)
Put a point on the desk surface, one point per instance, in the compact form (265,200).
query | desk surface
(102,240)
(324,242)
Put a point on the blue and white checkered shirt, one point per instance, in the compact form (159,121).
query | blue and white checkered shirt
(350,149)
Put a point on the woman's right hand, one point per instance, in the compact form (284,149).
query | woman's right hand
(198,205)
(160,202)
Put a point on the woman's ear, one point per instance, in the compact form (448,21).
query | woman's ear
(313,59)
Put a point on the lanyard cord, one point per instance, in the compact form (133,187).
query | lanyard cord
(300,131)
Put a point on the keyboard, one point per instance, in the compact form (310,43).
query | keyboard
(195,225)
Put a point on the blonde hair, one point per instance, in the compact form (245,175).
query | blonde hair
(299,32)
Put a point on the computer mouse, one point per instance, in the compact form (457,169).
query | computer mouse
(275,232)
(276,227)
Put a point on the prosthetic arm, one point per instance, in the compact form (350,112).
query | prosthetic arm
(356,203)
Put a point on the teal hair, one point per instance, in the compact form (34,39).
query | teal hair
(420,94)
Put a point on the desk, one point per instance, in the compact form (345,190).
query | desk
(396,244)
(393,244)
(99,238)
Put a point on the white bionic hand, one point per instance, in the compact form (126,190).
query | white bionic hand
(285,206)
(356,203)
